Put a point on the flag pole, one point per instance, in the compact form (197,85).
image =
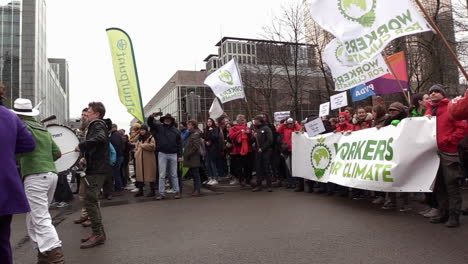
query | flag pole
(396,78)
(444,40)
(245,94)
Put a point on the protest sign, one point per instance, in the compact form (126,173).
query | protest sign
(338,100)
(315,127)
(279,116)
(324,109)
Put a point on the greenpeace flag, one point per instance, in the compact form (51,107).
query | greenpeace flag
(365,27)
(347,77)
(226,82)
(125,71)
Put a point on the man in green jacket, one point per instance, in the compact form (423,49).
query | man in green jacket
(40,180)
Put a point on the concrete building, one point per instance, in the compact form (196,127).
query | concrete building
(26,70)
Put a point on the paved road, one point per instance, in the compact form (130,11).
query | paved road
(244,227)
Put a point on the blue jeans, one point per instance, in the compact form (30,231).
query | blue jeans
(167,165)
(196,178)
(211,167)
(116,174)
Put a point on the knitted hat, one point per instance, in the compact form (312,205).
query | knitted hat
(437,88)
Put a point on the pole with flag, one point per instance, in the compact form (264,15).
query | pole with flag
(125,70)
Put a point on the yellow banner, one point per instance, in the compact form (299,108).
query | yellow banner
(125,71)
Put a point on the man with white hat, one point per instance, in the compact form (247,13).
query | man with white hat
(40,180)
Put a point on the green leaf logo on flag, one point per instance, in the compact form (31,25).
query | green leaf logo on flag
(360,11)
(320,158)
(226,77)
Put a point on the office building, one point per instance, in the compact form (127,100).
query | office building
(25,68)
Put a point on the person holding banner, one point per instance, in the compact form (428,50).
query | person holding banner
(343,123)
(449,134)
(241,137)
(362,120)
(286,130)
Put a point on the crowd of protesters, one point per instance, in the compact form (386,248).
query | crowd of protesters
(237,152)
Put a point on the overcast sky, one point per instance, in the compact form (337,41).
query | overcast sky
(167,36)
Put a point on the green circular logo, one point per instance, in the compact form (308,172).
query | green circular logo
(226,77)
(339,52)
(320,158)
(360,11)
(122,44)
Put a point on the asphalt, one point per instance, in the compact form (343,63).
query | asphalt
(245,227)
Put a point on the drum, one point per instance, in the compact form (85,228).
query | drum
(67,141)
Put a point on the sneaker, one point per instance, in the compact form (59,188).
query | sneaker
(215,182)
(170,191)
(54,204)
(210,182)
(405,209)
(233,181)
(425,211)
(206,182)
(432,213)
(389,206)
(62,204)
(379,200)
(135,190)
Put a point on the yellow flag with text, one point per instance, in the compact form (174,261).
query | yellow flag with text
(125,70)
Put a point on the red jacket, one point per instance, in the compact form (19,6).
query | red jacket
(287,133)
(362,125)
(458,108)
(240,141)
(449,131)
(346,126)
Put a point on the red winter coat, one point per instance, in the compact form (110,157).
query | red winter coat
(458,108)
(449,131)
(346,126)
(287,133)
(362,125)
(240,141)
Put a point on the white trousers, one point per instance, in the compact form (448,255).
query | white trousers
(40,190)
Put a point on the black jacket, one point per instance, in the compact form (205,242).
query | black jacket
(117,142)
(96,148)
(214,148)
(264,138)
(168,139)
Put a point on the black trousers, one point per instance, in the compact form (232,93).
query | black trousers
(242,167)
(263,168)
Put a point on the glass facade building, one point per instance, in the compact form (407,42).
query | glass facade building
(24,66)
(10,48)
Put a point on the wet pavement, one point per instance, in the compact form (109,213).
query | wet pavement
(244,227)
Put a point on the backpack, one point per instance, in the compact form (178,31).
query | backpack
(113,155)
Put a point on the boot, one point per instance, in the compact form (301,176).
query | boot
(152,192)
(94,240)
(41,258)
(55,256)
(139,193)
(86,223)
(195,193)
(177,196)
(80,220)
(453,220)
(441,218)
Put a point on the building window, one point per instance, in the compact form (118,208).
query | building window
(229,47)
(244,49)
(229,58)
(248,48)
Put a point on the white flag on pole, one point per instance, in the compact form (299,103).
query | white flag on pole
(216,110)
(347,77)
(366,26)
(226,82)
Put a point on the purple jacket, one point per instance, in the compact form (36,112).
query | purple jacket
(14,139)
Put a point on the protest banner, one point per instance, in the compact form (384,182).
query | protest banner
(392,159)
(347,77)
(338,100)
(315,127)
(226,82)
(324,109)
(279,116)
(366,27)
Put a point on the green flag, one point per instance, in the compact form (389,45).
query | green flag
(125,70)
